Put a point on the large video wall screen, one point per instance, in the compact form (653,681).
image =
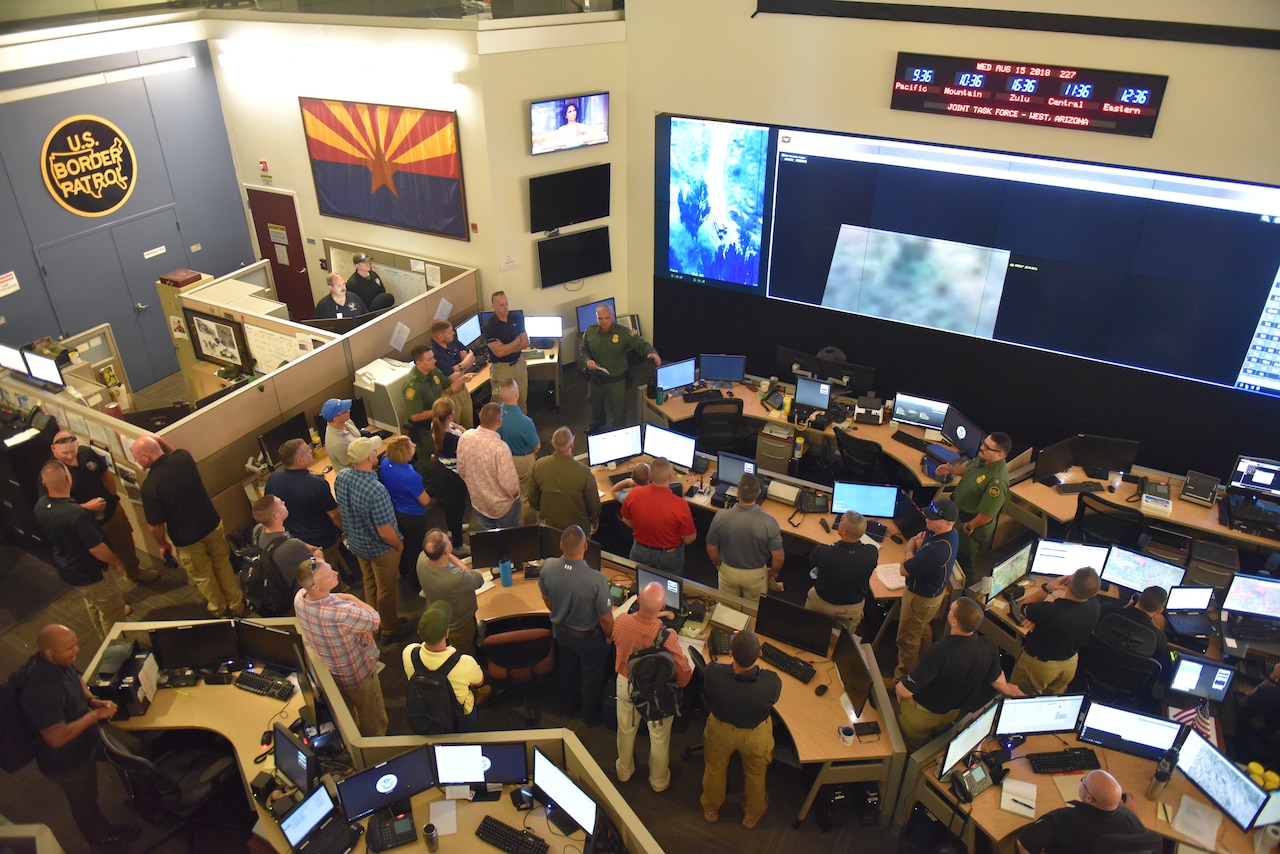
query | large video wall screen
(1168,273)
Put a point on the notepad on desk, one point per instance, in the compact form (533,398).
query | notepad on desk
(1018,797)
(890,575)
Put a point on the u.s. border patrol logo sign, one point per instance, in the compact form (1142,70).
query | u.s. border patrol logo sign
(88,166)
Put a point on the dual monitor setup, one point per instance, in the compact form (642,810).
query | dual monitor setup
(1010,720)
(811,632)
(37,368)
(617,445)
(524,544)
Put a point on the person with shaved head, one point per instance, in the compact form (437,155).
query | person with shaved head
(183,522)
(564,491)
(1099,812)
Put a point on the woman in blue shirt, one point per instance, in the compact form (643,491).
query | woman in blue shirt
(408,496)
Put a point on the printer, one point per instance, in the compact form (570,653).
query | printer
(380,384)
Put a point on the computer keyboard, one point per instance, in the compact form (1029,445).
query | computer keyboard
(505,837)
(1064,761)
(1256,631)
(1195,625)
(268,686)
(705,394)
(789,664)
(1077,488)
(910,441)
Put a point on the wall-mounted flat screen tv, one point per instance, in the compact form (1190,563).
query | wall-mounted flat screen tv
(568,198)
(574,256)
(559,124)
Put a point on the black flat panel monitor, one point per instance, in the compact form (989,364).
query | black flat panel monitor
(478,764)
(1256,476)
(544,326)
(568,198)
(920,411)
(1054,558)
(1137,572)
(311,703)
(1252,594)
(11,359)
(557,790)
(800,627)
(853,380)
(907,516)
(586,314)
(1101,455)
(159,418)
(793,364)
(720,368)
(1053,460)
(220,340)
(1200,677)
(521,544)
(270,441)
(467,332)
(295,760)
(400,778)
(814,393)
(676,447)
(43,368)
(962,433)
(571,257)
(869,499)
(271,645)
(730,468)
(1128,732)
(854,675)
(1009,570)
(604,448)
(1221,780)
(969,737)
(1039,715)
(559,124)
(551,547)
(677,374)
(673,588)
(196,645)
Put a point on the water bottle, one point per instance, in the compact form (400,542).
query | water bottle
(1163,772)
(504,568)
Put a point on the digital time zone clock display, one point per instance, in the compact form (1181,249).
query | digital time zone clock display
(1027,93)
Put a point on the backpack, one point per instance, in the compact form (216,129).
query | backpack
(652,675)
(430,701)
(259,579)
(17,741)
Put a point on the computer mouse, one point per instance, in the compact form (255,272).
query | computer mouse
(896,539)
(729,393)
(820,690)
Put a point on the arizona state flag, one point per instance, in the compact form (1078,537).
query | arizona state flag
(396,166)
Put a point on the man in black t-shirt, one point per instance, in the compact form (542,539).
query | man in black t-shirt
(367,284)
(1099,812)
(313,516)
(504,334)
(1060,616)
(339,302)
(842,572)
(955,676)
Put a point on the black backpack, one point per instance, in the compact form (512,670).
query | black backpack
(259,579)
(17,741)
(430,701)
(652,674)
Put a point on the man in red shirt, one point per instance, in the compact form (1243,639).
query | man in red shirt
(659,520)
(632,633)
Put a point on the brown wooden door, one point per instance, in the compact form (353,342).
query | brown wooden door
(275,226)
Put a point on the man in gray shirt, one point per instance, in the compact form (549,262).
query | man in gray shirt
(444,578)
(582,617)
(745,544)
(271,512)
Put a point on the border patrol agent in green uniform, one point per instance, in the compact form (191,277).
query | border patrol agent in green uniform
(422,388)
(981,492)
(605,345)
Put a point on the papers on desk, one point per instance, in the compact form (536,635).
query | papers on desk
(488,584)
(19,438)
(1018,797)
(444,815)
(1068,785)
(1199,822)
(891,575)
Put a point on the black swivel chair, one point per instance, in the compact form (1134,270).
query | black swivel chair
(1116,667)
(718,425)
(1148,842)
(860,460)
(699,674)
(1098,522)
(520,651)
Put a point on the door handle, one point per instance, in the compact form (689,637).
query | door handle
(302,271)
(141,308)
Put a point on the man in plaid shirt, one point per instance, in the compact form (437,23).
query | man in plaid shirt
(486,466)
(339,629)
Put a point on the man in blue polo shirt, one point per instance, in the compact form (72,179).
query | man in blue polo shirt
(928,558)
(521,436)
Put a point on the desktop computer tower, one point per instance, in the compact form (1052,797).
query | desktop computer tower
(381,384)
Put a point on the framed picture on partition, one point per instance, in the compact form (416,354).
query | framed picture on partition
(396,166)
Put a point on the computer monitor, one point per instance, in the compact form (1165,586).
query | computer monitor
(1270,811)
(1101,455)
(468,331)
(920,411)
(295,761)
(1128,732)
(43,368)
(1037,715)
(270,441)
(853,380)
(854,675)
(520,545)
(1221,780)
(676,447)
(271,645)
(196,645)
(311,702)
(586,314)
(1189,598)
(1256,475)
(514,315)
(808,630)
(1249,594)
(1200,677)
(1010,569)
(673,587)
(907,517)
(677,374)
(544,326)
(1054,558)
(720,368)
(730,467)
(962,433)
(604,448)
(867,498)
(1137,572)
(480,764)
(814,393)
(1053,460)
(382,785)
(11,358)
(557,790)
(970,736)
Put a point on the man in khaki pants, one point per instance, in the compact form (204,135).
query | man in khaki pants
(929,557)
(1060,616)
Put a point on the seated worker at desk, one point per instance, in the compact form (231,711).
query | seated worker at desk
(981,492)
(605,348)
(1099,812)
(339,302)
(1060,616)
(1139,614)
(340,432)
(367,285)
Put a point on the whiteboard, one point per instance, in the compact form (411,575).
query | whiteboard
(270,349)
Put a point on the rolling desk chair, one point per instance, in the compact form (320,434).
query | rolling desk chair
(860,460)
(699,673)
(1116,675)
(520,650)
(1098,522)
(719,425)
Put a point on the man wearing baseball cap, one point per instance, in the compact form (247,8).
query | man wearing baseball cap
(435,651)
(367,284)
(927,562)
(340,433)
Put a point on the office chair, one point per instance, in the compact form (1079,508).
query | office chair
(718,425)
(519,651)
(1098,522)
(1117,677)
(860,460)
(386,300)
(177,784)
(699,673)
(1148,842)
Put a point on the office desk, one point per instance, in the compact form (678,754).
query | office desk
(545,367)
